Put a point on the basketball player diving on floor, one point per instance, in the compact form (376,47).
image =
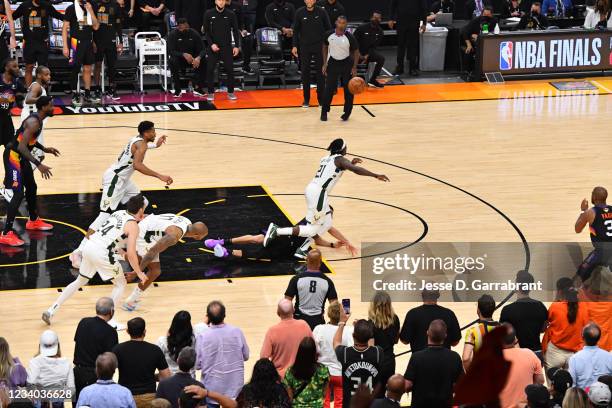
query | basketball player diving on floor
(159,232)
(19,176)
(599,220)
(318,215)
(101,255)
(117,186)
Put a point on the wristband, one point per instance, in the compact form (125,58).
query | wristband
(151,145)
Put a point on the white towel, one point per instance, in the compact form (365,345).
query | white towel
(80,13)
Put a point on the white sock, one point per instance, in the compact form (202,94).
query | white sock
(135,296)
(284,231)
(119,284)
(68,291)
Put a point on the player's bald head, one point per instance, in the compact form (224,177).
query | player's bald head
(198,230)
(285,309)
(599,195)
(313,260)
(396,385)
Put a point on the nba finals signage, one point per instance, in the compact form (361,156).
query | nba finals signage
(546,52)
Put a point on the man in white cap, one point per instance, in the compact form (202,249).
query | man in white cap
(599,395)
(49,369)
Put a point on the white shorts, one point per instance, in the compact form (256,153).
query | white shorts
(96,260)
(142,247)
(116,190)
(317,203)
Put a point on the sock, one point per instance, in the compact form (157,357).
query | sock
(135,296)
(68,291)
(285,231)
(119,284)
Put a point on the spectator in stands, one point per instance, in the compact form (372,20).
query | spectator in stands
(587,365)
(93,337)
(559,381)
(35,15)
(192,10)
(246,31)
(369,36)
(513,9)
(483,23)
(324,336)
(49,368)
(105,392)
(265,388)
(576,397)
(311,289)
(282,340)
(360,362)
(310,25)
(179,336)
(220,24)
(137,362)
(525,369)
(417,320)
(12,373)
(408,14)
(6,15)
(599,395)
(222,351)
(280,15)
(306,379)
(192,395)
(566,318)
(10,88)
(475,333)
(186,50)
(600,16)
(160,403)
(528,316)
(333,8)
(81,21)
(149,10)
(534,20)
(599,313)
(433,371)
(386,326)
(557,8)
(537,396)
(170,388)
(396,386)
(109,43)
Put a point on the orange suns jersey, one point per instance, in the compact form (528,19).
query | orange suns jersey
(601,228)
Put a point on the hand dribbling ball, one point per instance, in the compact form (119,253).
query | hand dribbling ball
(357,85)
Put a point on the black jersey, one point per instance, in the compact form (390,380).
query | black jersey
(35,19)
(358,367)
(601,228)
(19,135)
(109,17)
(8,94)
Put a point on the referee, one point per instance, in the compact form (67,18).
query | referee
(311,289)
(340,53)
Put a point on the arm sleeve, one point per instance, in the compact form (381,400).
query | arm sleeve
(503,317)
(33,371)
(245,347)
(297,26)
(292,287)
(236,31)
(113,340)
(54,13)
(207,30)
(68,14)
(172,45)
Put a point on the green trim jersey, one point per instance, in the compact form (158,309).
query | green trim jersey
(328,174)
(154,227)
(124,167)
(110,235)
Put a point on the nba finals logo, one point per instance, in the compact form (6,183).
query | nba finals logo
(505,55)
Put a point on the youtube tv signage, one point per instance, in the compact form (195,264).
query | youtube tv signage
(546,52)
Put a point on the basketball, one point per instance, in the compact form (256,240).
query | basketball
(357,85)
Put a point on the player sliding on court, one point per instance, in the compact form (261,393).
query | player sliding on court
(158,233)
(117,186)
(101,255)
(317,196)
(284,247)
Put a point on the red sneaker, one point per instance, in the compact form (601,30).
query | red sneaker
(10,239)
(38,225)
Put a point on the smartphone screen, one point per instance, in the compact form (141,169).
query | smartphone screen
(346,305)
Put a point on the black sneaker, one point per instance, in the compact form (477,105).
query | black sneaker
(247,69)
(88,99)
(399,70)
(345,116)
(199,92)
(323,115)
(112,93)
(375,83)
(414,72)
(76,99)
(96,95)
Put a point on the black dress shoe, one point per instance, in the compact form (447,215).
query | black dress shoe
(414,72)
(323,115)
(376,84)
(345,116)
(399,70)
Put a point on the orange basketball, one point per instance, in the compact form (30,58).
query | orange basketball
(357,85)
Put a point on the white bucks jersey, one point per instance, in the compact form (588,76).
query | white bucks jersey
(328,174)
(124,167)
(111,234)
(29,109)
(153,227)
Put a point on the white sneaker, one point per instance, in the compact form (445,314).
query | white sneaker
(232,96)
(6,193)
(116,325)
(76,257)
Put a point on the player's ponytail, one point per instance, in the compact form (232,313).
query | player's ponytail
(569,293)
(337,146)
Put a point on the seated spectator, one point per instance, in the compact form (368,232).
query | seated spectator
(525,369)
(280,15)
(587,365)
(528,316)
(599,395)
(193,396)
(105,392)
(171,387)
(534,20)
(537,396)
(433,372)
(222,351)
(186,50)
(417,320)
(475,334)
(566,318)
(324,336)
(137,362)
(396,386)
(557,8)
(49,368)
(576,398)
(477,26)
(386,326)
(160,403)
(311,289)
(600,16)
(12,373)
(559,381)
(283,339)
(306,379)
(265,388)
(513,9)
(369,36)
(180,335)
